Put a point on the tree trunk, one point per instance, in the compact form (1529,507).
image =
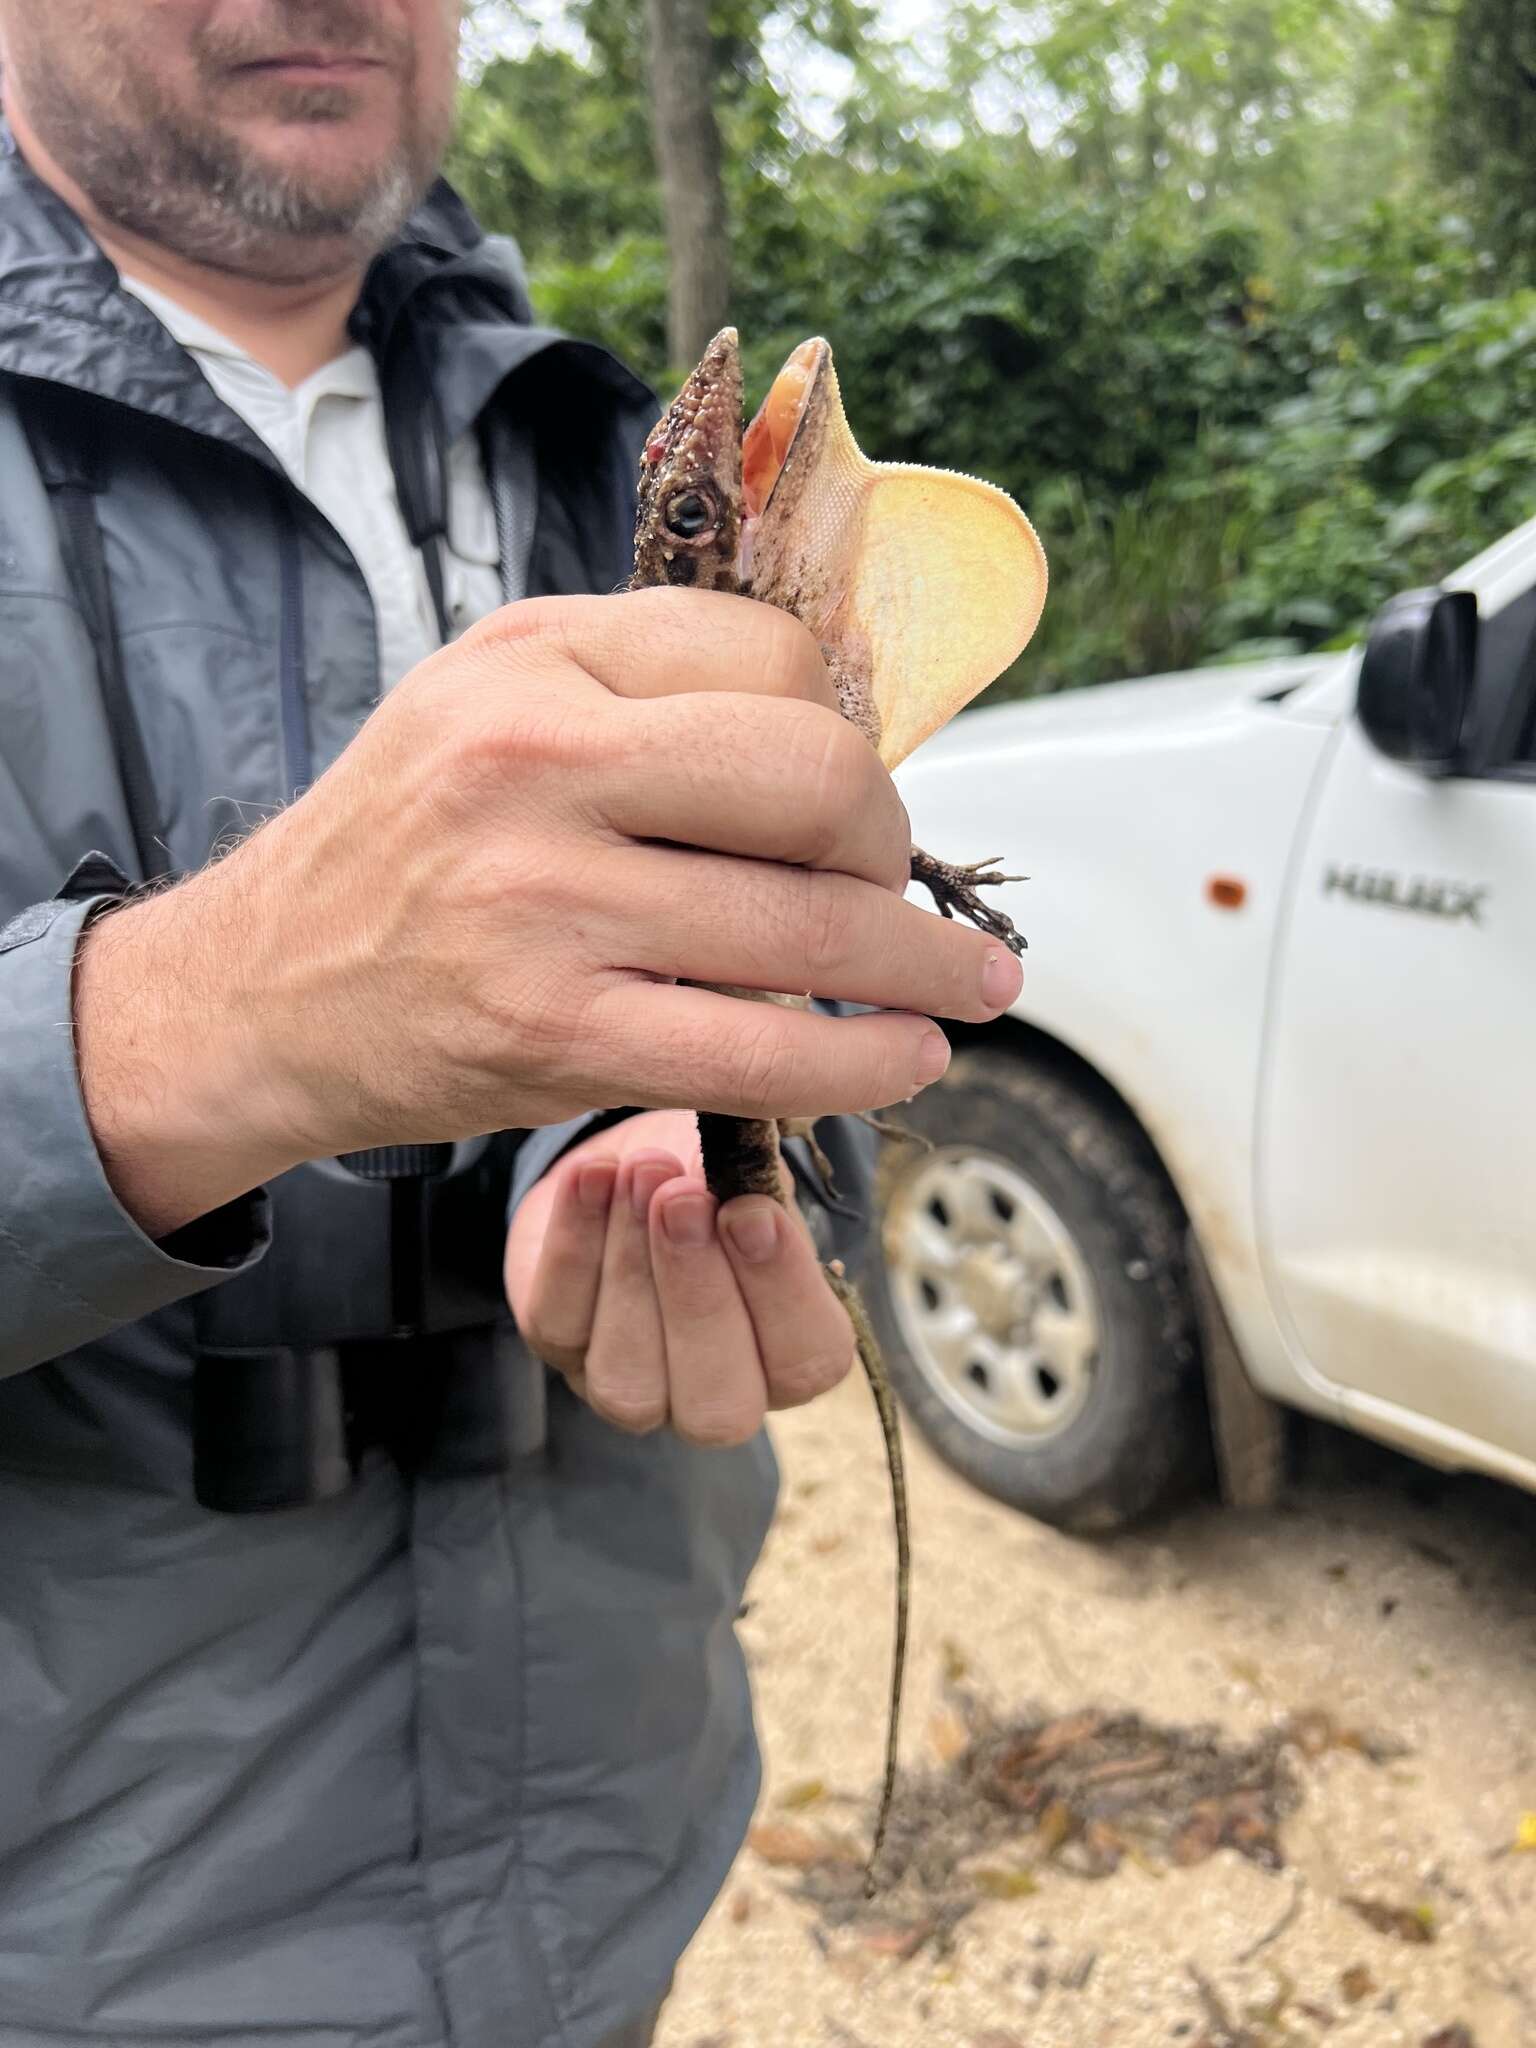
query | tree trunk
(1488,126)
(687,141)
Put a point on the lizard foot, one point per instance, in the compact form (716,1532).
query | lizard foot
(805,1127)
(953,888)
(897,1132)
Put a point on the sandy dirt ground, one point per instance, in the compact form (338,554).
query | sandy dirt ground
(1380,1598)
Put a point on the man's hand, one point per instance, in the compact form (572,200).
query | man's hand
(657,1307)
(478,917)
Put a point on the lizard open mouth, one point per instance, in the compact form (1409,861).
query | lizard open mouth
(868,556)
(766,444)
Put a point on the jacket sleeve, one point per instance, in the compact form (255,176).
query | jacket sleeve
(73,1263)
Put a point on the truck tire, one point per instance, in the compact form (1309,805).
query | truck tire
(1031,1294)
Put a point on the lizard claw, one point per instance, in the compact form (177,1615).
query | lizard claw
(953,887)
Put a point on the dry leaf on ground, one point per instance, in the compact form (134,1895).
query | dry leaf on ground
(799,1848)
(1403,1923)
(807,1793)
(1081,1793)
(1005,1884)
(900,1942)
(949,1735)
(957,1665)
(1356,1983)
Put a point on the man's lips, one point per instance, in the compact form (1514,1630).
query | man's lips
(331,66)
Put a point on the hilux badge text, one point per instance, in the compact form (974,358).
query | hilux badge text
(1450,900)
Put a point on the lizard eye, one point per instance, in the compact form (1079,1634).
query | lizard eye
(689,514)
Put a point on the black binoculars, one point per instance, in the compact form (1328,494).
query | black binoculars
(376,1322)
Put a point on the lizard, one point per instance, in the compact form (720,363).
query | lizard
(921,586)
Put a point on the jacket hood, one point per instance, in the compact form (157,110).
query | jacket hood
(459,294)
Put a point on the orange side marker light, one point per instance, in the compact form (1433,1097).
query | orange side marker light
(1226,892)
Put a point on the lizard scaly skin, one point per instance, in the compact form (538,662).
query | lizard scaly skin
(921,587)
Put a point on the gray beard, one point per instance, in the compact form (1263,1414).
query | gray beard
(247,220)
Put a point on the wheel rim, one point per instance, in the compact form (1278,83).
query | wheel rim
(994,1301)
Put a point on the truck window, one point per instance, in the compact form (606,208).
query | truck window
(1500,734)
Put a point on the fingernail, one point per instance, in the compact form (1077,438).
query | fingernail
(644,1181)
(1001,979)
(753,1231)
(594,1187)
(932,1058)
(689,1222)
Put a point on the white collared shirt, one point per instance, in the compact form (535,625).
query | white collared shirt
(328,434)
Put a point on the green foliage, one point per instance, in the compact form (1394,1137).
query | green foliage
(564,167)
(1131,580)
(1202,311)
(1403,454)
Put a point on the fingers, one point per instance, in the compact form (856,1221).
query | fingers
(557,1320)
(626,1357)
(689,1048)
(658,1307)
(714,1375)
(761,777)
(804,1340)
(663,643)
(751,924)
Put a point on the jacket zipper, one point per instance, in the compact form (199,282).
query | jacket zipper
(297,756)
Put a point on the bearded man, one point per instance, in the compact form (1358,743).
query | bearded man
(369,1673)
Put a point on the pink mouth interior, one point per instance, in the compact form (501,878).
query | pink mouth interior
(766,442)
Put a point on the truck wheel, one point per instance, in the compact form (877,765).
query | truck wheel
(1032,1296)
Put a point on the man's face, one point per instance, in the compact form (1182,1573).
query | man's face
(271,139)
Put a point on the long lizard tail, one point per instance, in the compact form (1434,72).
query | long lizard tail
(742,1157)
(890,1428)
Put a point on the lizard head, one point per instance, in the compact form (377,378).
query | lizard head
(921,585)
(688,522)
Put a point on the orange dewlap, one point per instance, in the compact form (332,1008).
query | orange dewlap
(766,442)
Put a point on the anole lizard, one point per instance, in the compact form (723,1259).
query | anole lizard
(921,587)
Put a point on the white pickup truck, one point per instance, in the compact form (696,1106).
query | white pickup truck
(1260,1132)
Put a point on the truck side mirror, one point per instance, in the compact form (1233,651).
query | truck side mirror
(1416,677)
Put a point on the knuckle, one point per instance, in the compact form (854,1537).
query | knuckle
(555,619)
(719,1429)
(757,646)
(790,655)
(546,1346)
(957,971)
(809,1377)
(833,759)
(897,846)
(667,607)
(518,1027)
(846,781)
(828,926)
(769,1068)
(536,736)
(635,1411)
(896,1074)
(535,1330)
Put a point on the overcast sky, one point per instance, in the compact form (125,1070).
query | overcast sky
(809,74)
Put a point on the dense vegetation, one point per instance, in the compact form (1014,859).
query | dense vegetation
(1237,296)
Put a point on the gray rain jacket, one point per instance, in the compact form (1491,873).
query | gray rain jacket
(454,1761)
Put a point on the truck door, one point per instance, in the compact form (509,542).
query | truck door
(1396,1163)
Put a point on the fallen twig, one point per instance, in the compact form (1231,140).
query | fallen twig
(1286,1919)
